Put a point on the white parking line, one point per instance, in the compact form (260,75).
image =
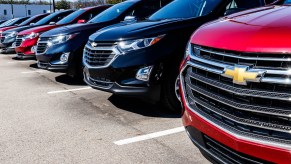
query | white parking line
(69,90)
(149,136)
(38,71)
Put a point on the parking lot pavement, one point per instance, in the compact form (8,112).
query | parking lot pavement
(48,117)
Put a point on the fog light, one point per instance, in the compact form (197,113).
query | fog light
(33,48)
(65,57)
(144,73)
(13,45)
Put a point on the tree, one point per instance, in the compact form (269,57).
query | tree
(113,1)
(63,4)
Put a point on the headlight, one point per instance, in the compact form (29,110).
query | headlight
(131,45)
(31,36)
(61,39)
(188,50)
(11,34)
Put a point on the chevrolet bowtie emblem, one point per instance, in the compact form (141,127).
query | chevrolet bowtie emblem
(93,44)
(241,74)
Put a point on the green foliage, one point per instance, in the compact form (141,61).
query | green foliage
(63,4)
(113,1)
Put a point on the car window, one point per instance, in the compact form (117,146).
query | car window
(32,20)
(243,4)
(147,8)
(60,16)
(287,2)
(112,12)
(20,20)
(54,17)
(92,13)
(71,17)
(39,18)
(186,9)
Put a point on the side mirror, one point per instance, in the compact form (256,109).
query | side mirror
(81,21)
(31,24)
(130,18)
(232,11)
(52,23)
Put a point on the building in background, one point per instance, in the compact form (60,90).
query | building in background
(8,11)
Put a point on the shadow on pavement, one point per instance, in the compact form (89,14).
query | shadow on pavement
(16,58)
(138,106)
(65,79)
(34,65)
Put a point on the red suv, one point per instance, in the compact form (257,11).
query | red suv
(236,88)
(26,40)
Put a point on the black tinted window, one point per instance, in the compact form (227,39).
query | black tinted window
(248,4)
(71,17)
(186,9)
(148,8)
(60,16)
(20,20)
(54,17)
(32,20)
(112,12)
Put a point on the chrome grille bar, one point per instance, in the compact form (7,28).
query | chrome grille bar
(100,56)
(237,56)
(259,108)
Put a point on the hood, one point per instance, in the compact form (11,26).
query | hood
(74,28)
(138,30)
(39,29)
(266,30)
(18,29)
(7,28)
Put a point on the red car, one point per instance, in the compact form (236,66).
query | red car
(27,39)
(235,87)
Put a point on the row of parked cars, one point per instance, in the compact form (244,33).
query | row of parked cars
(233,82)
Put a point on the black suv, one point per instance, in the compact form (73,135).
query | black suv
(65,55)
(142,59)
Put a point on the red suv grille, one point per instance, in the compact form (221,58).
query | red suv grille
(259,110)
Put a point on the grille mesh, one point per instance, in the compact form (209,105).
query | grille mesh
(19,40)
(99,56)
(42,45)
(257,109)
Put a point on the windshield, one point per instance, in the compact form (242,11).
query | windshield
(68,19)
(46,19)
(287,2)
(185,9)
(111,13)
(12,22)
(27,21)
(6,22)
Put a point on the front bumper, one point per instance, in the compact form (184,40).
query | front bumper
(54,68)
(25,47)
(224,147)
(7,46)
(120,82)
(24,50)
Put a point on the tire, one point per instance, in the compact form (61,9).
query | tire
(169,95)
(76,67)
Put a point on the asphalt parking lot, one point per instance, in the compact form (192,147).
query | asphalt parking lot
(48,117)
